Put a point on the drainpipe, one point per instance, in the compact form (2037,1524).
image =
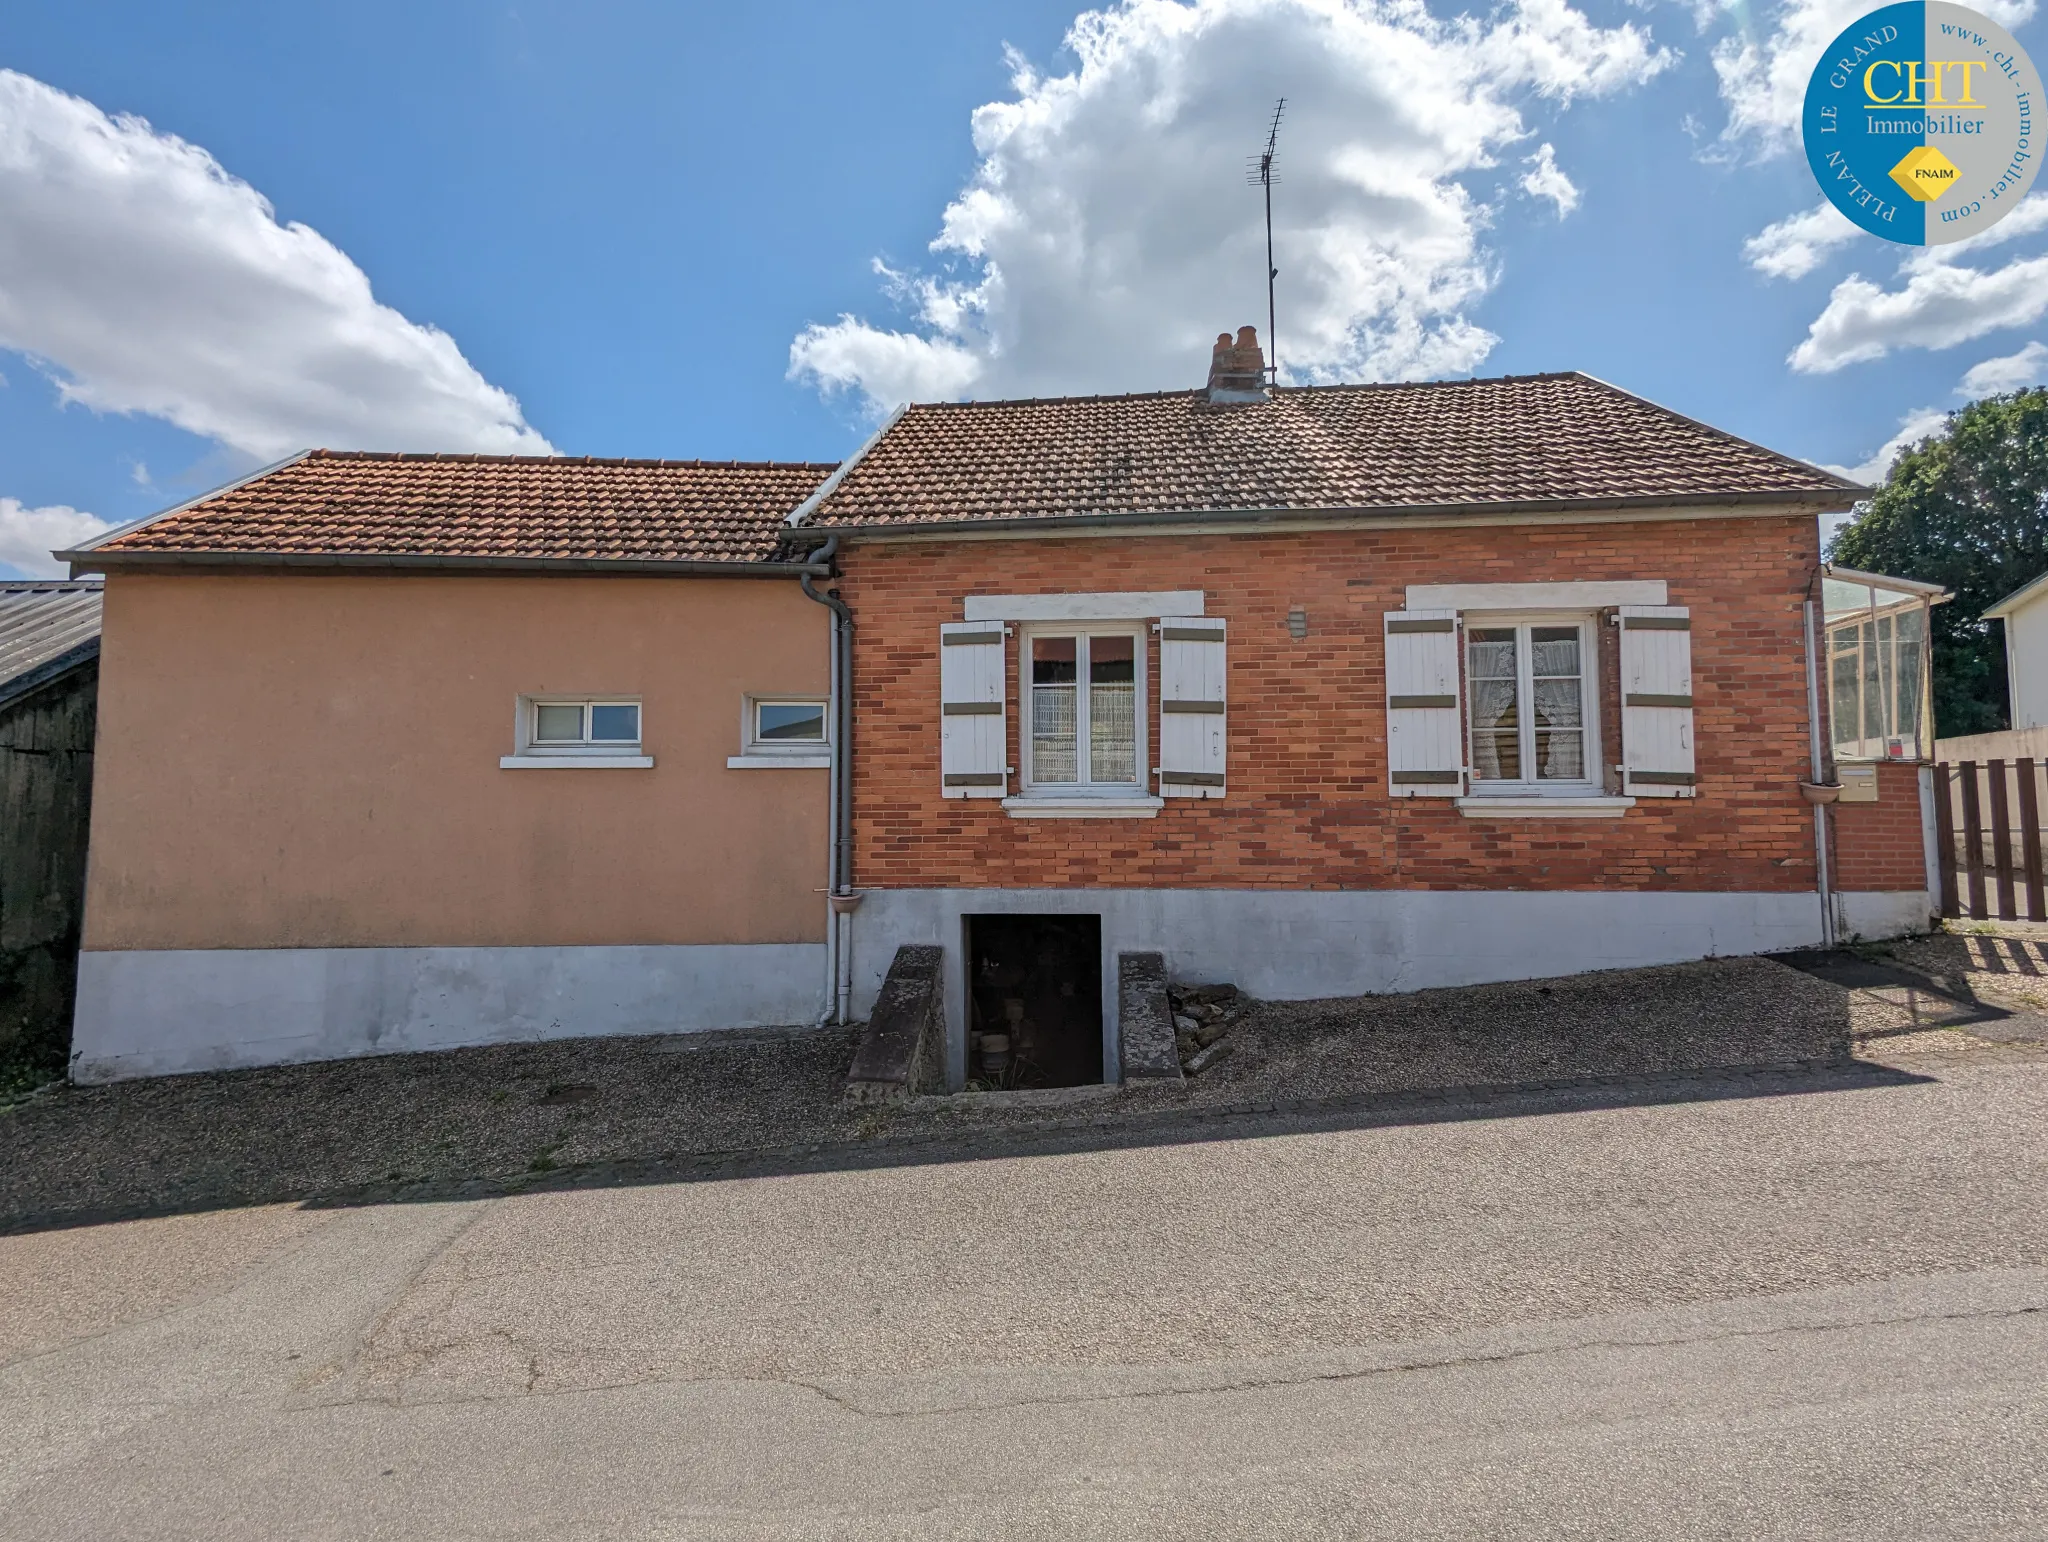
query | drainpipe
(1820,810)
(840,899)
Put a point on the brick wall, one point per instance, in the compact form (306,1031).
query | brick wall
(1308,806)
(1878,846)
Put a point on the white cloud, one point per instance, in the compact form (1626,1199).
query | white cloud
(1107,234)
(28,536)
(2012,372)
(150,280)
(1913,427)
(1545,180)
(1940,306)
(1763,74)
(1796,245)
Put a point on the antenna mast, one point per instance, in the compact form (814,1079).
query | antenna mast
(1263,176)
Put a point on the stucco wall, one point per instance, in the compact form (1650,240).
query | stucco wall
(1307,805)
(312,762)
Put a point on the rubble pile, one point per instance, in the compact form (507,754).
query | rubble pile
(1202,1019)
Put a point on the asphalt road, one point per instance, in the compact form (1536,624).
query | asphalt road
(1819,1315)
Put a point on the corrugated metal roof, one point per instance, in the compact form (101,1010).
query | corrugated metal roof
(40,622)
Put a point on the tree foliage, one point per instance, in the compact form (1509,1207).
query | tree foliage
(1966,509)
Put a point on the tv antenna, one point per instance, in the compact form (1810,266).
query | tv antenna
(1262,175)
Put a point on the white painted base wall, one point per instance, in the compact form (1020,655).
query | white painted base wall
(1295,945)
(1885,915)
(159,1013)
(156,1013)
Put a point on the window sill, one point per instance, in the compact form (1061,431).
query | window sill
(1545,808)
(576,762)
(778,762)
(1139,807)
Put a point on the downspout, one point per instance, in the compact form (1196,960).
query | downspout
(839,825)
(1820,810)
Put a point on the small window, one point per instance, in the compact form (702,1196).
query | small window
(1529,685)
(583,727)
(785,725)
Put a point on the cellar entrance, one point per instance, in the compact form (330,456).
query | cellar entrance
(1034,1009)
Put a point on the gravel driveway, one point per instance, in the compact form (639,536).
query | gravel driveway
(538,1114)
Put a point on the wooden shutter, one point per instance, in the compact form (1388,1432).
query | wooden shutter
(1193,725)
(972,761)
(1656,701)
(1425,728)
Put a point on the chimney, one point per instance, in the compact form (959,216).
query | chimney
(1237,370)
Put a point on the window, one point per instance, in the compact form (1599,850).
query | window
(579,727)
(1082,691)
(561,731)
(1877,670)
(783,733)
(797,726)
(1532,723)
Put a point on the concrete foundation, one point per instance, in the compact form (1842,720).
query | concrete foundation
(155,1013)
(1299,945)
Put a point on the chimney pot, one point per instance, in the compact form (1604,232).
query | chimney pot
(1237,370)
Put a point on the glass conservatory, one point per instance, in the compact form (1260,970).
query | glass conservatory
(1876,654)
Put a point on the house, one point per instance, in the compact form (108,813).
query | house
(1311,690)
(410,751)
(2025,614)
(49,676)
(1330,690)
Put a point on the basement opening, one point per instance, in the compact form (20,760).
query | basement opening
(1034,1001)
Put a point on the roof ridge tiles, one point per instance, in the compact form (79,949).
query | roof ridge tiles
(464,457)
(1335,385)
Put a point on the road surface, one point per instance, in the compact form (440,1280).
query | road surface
(1811,1315)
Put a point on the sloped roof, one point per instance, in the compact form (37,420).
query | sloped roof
(1526,440)
(336,504)
(45,627)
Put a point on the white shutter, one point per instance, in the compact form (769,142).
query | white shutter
(971,739)
(1656,701)
(1425,728)
(1193,725)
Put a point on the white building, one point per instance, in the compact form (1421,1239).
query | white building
(2025,614)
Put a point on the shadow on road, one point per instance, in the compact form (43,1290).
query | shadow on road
(1128,1120)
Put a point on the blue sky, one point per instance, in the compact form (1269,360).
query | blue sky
(626,215)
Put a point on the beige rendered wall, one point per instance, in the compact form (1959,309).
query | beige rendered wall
(297,761)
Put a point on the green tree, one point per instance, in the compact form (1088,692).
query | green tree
(1967,509)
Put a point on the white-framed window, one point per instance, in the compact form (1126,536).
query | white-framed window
(786,725)
(1083,690)
(1532,693)
(783,733)
(561,731)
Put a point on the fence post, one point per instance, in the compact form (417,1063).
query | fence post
(1973,839)
(2001,841)
(2030,841)
(1945,819)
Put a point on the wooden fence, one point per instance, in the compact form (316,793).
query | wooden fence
(1989,815)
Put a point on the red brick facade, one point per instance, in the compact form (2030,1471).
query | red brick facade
(1878,846)
(1308,805)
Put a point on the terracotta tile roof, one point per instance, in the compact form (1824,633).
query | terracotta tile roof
(1517,440)
(357,505)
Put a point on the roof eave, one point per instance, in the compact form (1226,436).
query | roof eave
(29,681)
(1819,500)
(87,560)
(134,525)
(2024,595)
